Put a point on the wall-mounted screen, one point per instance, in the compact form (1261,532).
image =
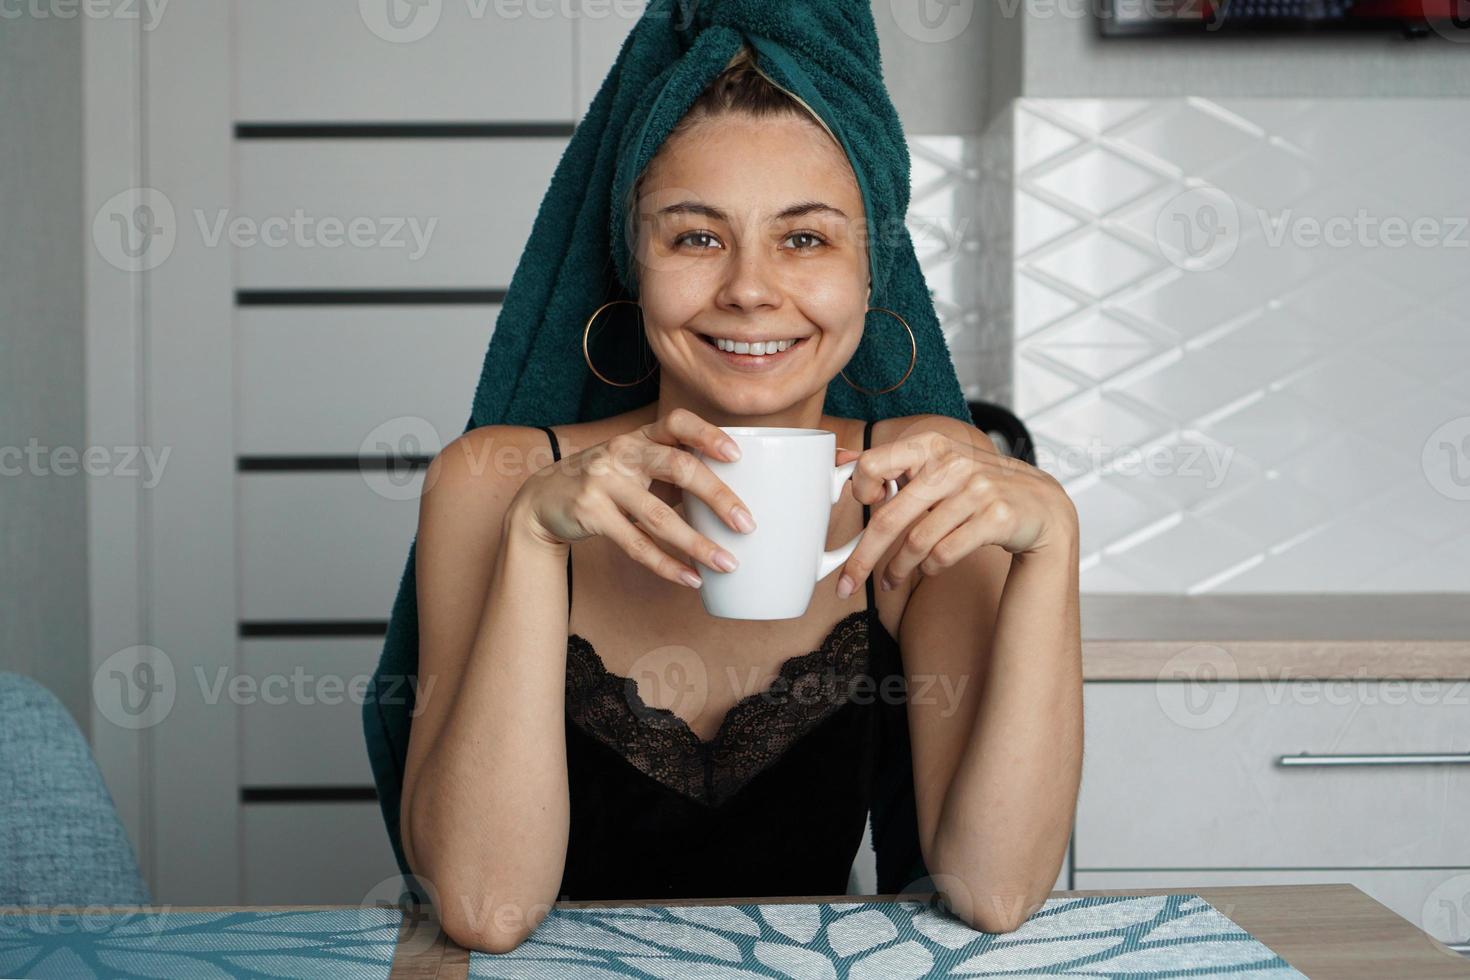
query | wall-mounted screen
(1135,17)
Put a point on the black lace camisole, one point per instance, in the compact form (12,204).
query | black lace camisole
(773,804)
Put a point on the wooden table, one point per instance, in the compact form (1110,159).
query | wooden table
(1325,931)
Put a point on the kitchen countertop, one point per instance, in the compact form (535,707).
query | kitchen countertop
(1276,637)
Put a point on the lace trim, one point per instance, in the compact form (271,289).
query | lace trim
(809,687)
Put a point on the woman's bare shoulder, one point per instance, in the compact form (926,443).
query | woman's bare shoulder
(903,426)
(486,465)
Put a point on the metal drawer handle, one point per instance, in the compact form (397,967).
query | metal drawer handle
(1382,759)
(1462,948)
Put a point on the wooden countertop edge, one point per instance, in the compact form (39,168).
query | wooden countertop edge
(1291,923)
(1275,660)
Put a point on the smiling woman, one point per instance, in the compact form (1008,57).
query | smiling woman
(733,254)
(624,743)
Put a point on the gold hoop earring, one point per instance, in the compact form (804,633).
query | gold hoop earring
(586,331)
(913,355)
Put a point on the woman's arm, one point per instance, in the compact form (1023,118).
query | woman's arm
(992,655)
(484,812)
(1000,817)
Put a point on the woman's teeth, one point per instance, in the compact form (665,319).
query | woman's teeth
(758,347)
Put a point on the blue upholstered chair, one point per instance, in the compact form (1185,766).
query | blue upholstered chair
(61,842)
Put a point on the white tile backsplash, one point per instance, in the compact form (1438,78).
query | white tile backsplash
(1329,376)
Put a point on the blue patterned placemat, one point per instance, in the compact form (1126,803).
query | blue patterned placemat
(325,944)
(1114,936)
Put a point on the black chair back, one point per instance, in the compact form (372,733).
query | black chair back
(1002,425)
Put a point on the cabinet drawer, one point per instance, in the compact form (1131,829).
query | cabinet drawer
(1436,900)
(443,213)
(301,722)
(1185,775)
(375,62)
(325,380)
(319,546)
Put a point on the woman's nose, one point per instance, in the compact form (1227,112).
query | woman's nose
(749,281)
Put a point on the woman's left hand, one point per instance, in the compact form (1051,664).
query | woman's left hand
(954,497)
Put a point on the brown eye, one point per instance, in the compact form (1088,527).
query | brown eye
(816,240)
(687,236)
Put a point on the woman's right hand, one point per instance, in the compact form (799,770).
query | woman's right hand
(604,489)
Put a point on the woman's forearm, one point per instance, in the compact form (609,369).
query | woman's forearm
(490,812)
(1008,813)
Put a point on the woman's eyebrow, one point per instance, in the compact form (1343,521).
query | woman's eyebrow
(715,214)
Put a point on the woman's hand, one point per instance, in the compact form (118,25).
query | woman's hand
(604,489)
(954,497)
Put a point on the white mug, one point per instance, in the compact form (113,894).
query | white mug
(789,480)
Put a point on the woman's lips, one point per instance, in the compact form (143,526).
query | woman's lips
(754,363)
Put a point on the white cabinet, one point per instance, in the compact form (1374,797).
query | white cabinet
(1183,785)
(374,62)
(1177,777)
(383,213)
(340,380)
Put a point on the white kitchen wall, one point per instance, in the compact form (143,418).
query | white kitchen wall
(1240,337)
